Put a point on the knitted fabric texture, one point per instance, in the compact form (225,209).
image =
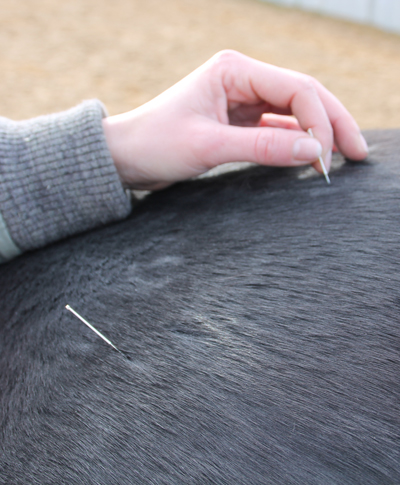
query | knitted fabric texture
(57,176)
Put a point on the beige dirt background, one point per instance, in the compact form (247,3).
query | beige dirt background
(55,54)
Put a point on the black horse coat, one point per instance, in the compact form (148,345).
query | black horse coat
(259,316)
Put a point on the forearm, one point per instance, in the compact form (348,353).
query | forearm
(57,178)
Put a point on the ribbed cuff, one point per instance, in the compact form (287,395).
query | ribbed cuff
(57,176)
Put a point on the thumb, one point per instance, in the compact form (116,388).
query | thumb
(266,146)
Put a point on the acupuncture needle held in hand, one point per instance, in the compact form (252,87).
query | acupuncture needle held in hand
(92,328)
(309,131)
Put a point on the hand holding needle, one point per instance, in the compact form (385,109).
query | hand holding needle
(309,131)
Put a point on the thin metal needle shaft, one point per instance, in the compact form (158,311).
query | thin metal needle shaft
(92,328)
(328,180)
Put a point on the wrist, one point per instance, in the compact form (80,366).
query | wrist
(112,131)
(129,145)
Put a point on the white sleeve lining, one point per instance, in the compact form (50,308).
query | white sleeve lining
(8,249)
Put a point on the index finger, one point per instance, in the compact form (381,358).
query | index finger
(347,133)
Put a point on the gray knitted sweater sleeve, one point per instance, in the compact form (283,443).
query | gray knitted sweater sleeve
(57,178)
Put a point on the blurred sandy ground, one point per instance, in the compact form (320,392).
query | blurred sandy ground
(54,54)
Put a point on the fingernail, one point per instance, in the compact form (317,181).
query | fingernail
(306,150)
(328,160)
(363,144)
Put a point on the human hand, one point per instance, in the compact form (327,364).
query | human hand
(232,108)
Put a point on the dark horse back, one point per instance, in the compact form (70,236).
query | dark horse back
(259,317)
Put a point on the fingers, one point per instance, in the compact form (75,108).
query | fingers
(249,81)
(347,134)
(285,122)
(279,121)
(264,145)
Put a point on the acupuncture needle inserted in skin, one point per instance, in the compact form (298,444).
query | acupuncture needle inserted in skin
(309,131)
(92,328)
